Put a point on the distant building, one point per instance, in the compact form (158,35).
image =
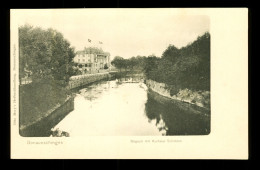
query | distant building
(92,60)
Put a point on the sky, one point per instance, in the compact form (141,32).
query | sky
(123,32)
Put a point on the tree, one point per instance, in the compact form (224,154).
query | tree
(132,63)
(118,62)
(45,54)
(188,67)
(140,62)
(150,67)
(23,50)
(105,66)
(171,53)
(47,57)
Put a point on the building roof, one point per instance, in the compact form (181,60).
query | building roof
(86,52)
(93,50)
(80,52)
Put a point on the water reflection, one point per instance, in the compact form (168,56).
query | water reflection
(124,107)
(113,108)
(176,118)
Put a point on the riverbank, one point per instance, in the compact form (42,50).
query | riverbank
(198,98)
(184,106)
(177,117)
(41,126)
(36,100)
(44,105)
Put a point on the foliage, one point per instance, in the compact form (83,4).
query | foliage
(151,64)
(134,63)
(188,67)
(105,66)
(45,55)
(119,62)
(171,53)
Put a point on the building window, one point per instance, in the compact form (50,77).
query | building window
(83,60)
(79,60)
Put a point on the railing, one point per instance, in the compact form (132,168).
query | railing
(80,80)
(94,71)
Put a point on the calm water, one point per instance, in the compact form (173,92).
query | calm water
(119,108)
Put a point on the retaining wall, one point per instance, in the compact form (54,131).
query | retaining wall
(42,127)
(199,98)
(77,81)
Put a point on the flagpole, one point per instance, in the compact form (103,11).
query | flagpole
(89,41)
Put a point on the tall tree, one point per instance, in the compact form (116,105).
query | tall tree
(46,54)
(171,53)
(188,67)
(118,62)
(150,67)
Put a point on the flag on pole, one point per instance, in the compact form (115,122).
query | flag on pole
(100,42)
(89,40)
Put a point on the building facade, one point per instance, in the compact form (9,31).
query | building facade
(92,62)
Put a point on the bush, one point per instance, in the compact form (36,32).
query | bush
(105,67)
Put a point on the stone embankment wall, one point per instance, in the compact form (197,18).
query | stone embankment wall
(199,98)
(77,81)
(42,127)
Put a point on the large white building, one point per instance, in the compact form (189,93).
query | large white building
(92,61)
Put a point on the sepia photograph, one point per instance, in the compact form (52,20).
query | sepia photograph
(133,74)
(89,73)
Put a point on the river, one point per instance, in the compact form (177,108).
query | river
(125,107)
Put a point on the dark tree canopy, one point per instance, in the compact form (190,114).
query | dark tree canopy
(119,62)
(188,67)
(132,64)
(44,55)
(171,53)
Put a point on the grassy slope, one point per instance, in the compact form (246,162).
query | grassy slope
(37,99)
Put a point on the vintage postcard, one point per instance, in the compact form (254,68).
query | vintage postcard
(129,83)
